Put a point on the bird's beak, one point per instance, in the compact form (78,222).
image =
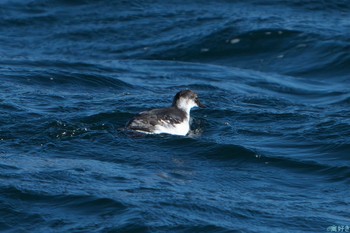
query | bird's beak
(200,104)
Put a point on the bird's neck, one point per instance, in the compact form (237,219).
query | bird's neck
(185,107)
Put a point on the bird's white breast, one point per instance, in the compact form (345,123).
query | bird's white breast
(176,129)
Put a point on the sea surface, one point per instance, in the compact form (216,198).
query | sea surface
(270,153)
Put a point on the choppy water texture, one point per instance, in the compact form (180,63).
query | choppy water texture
(271,152)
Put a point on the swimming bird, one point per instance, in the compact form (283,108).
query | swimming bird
(173,120)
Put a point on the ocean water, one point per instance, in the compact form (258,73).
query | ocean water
(271,153)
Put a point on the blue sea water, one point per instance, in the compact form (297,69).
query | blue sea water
(271,153)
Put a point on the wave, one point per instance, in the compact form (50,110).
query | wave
(336,172)
(266,49)
(250,38)
(338,6)
(69,80)
(236,154)
(69,201)
(35,214)
(78,79)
